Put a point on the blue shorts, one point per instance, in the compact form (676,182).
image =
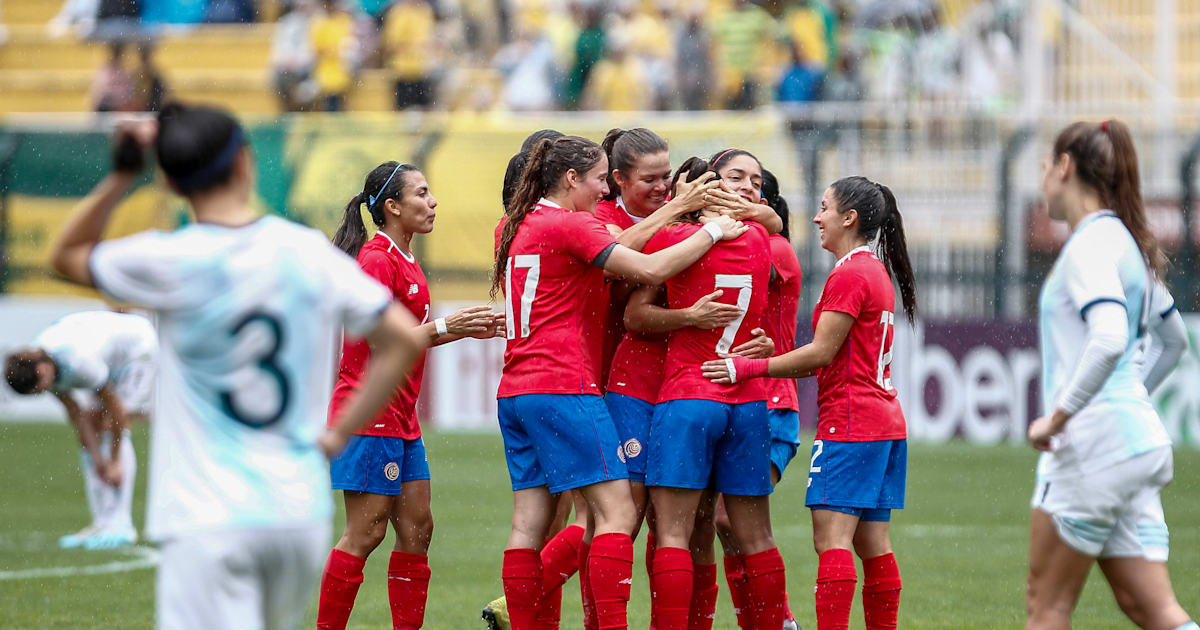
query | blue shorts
(632,419)
(865,479)
(561,441)
(379,465)
(700,444)
(785,437)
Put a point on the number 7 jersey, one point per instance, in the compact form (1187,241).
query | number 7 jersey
(247,323)
(855,398)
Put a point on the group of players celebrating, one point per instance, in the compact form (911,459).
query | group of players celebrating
(648,375)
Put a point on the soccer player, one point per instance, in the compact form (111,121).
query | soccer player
(1106,457)
(859,461)
(248,310)
(703,435)
(384,473)
(783,407)
(100,366)
(558,434)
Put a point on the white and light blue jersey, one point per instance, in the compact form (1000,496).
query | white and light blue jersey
(1099,263)
(92,348)
(248,322)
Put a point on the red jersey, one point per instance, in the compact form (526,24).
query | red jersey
(637,367)
(382,260)
(742,268)
(783,300)
(855,398)
(555,303)
(614,213)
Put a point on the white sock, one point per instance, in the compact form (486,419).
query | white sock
(122,509)
(106,495)
(91,483)
(1191,625)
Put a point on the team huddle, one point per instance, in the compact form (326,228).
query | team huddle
(648,384)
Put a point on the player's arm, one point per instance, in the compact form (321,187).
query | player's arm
(657,267)
(85,225)
(689,197)
(1107,339)
(395,344)
(85,430)
(832,329)
(643,314)
(1168,342)
(476,321)
(113,410)
(733,205)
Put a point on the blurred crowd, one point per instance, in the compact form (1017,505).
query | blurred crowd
(535,55)
(539,55)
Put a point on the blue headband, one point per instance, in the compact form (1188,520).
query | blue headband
(218,166)
(371,199)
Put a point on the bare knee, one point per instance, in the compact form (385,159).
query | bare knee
(362,540)
(414,532)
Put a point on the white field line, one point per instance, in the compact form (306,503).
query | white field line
(143,558)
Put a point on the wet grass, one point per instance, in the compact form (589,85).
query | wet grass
(961,543)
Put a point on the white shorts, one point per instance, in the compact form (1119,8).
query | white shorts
(247,579)
(1115,512)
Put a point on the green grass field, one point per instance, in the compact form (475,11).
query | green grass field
(961,543)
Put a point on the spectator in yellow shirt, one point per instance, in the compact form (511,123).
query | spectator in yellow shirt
(619,81)
(409,50)
(738,35)
(337,53)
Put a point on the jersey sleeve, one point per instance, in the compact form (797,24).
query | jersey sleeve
(358,299)
(1162,304)
(138,269)
(783,259)
(845,292)
(1090,271)
(584,236)
(377,265)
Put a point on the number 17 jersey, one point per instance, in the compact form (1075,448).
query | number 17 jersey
(855,398)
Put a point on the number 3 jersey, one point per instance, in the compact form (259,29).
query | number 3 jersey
(555,303)
(741,268)
(855,398)
(247,321)
(381,259)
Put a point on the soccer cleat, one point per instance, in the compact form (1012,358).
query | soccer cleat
(790,624)
(110,539)
(496,614)
(74,541)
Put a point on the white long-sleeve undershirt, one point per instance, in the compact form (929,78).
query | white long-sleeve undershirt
(1167,344)
(1108,336)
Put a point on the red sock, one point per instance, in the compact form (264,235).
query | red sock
(408,588)
(339,584)
(651,545)
(610,570)
(590,622)
(704,596)
(560,560)
(735,576)
(672,584)
(787,609)
(767,581)
(522,575)
(881,592)
(836,578)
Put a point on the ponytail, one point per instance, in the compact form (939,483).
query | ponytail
(351,235)
(895,252)
(1106,161)
(771,194)
(547,162)
(879,216)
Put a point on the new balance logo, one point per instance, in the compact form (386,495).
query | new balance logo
(412,289)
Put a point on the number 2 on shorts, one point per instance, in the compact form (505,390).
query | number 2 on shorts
(744,283)
(813,468)
(533,263)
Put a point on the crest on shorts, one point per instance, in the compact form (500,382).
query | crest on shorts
(391,471)
(633,448)
(621,453)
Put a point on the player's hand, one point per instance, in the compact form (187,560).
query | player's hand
(730,229)
(131,138)
(707,313)
(694,195)
(732,204)
(716,371)
(759,347)
(496,328)
(1043,430)
(112,473)
(470,322)
(332,443)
